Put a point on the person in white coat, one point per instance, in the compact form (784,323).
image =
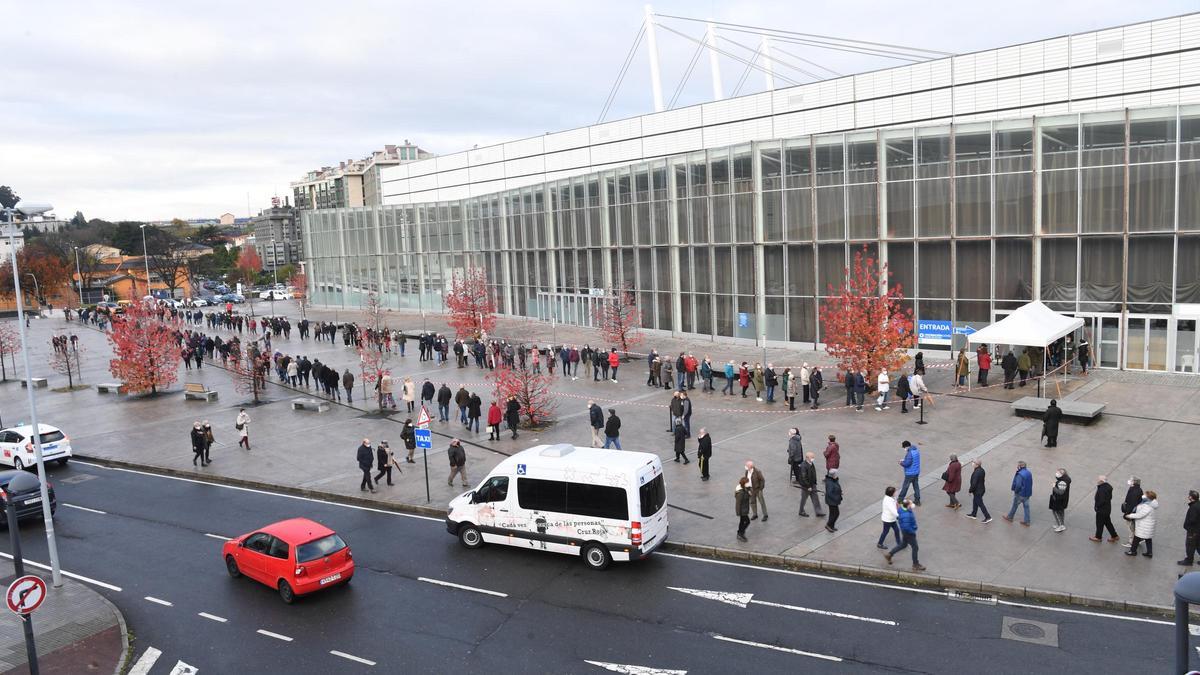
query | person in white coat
(242,424)
(883,382)
(1144,519)
(890,511)
(410,392)
(805,378)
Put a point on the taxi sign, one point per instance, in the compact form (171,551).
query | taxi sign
(424,438)
(25,594)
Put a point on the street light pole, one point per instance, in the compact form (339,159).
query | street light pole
(37,289)
(78,274)
(145,257)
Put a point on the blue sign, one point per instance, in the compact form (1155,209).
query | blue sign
(743,320)
(520,469)
(424,438)
(963,330)
(934,332)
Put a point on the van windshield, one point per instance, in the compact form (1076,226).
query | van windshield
(654,496)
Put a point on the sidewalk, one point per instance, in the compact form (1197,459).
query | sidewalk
(1147,430)
(76,631)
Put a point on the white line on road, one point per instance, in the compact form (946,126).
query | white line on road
(72,575)
(352,657)
(146,662)
(213,617)
(629,669)
(84,508)
(823,612)
(762,645)
(803,574)
(277,636)
(460,586)
(263,492)
(164,603)
(1084,612)
(182,668)
(216,536)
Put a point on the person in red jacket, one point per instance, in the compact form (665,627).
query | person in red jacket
(613,362)
(744,378)
(985,364)
(833,454)
(493,420)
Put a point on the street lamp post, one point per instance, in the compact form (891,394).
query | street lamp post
(78,274)
(47,516)
(37,289)
(145,257)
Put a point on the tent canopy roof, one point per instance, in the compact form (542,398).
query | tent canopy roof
(1033,325)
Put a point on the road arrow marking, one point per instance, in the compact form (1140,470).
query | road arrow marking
(762,645)
(146,662)
(745,599)
(635,670)
(182,668)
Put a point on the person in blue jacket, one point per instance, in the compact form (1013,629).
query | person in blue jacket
(1022,489)
(729,373)
(912,471)
(860,389)
(908,528)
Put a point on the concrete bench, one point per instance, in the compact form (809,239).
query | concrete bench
(38,382)
(310,404)
(1030,406)
(111,388)
(195,390)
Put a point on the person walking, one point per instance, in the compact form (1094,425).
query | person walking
(807,477)
(833,499)
(493,421)
(1133,497)
(458,462)
(409,437)
(613,362)
(744,378)
(833,454)
(409,395)
(962,369)
(1060,497)
(1009,366)
(512,415)
(209,439)
(791,388)
(596,421)
(1022,489)
(984,362)
(703,452)
(242,425)
(952,478)
(889,512)
(741,507)
(977,489)
(908,528)
(795,454)
(383,459)
(443,401)
(680,440)
(366,460)
(462,399)
(730,373)
(1191,525)
(816,382)
(687,414)
(883,383)
(612,430)
(912,471)
(1050,421)
(198,444)
(758,485)
(348,385)
(1102,505)
(1144,519)
(1024,365)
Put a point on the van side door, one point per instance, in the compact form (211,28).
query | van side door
(491,504)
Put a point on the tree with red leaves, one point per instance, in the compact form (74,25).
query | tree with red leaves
(299,284)
(42,263)
(531,389)
(10,344)
(249,368)
(145,355)
(469,300)
(248,265)
(66,357)
(864,327)
(372,357)
(619,319)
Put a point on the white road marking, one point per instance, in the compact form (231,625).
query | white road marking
(808,575)
(762,645)
(736,599)
(84,508)
(182,668)
(145,662)
(745,599)
(217,536)
(1085,612)
(277,636)
(460,586)
(213,617)
(352,657)
(1195,630)
(634,670)
(264,492)
(823,612)
(157,601)
(72,575)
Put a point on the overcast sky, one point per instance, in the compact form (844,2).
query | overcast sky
(152,110)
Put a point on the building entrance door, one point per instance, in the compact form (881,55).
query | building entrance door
(1103,333)
(1187,346)
(572,309)
(1146,343)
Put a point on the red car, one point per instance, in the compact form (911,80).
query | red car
(295,557)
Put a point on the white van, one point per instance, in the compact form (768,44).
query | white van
(602,504)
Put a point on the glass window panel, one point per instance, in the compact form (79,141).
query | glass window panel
(799,215)
(646,304)
(1189,188)
(1014,203)
(743,216)
(722,227)
(773,269)
(662,270)
(1187,275)
(973,206)
(680,171)
(718,171)
(933,265)
(658,182)
(966,311)
(901,269)
(743,169)
(899,156)
(1149,278)
(722,269)
(723,309)
(1103,199)
(1058,270)
(831,268)
(1152,197)
(831,213)
(973,269)
(662,224)
(1100,274)
(1152,140)
(830,161)
(1189,137)
(704,318)
(687,322)
(862,161)
(682,221)
(972,153)
(745,305)
(771,166)
(772,216)
(665,312)
(745,270)
(1060,145)
(698,175)
(1103,143)
(900,209)
(864,211)
(933,208)
(1059,202)
(802,324)
(700,220)
(798,164)
(800,271)
(701,269)
(933,153)
(1014,269)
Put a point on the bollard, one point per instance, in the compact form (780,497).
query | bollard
(1187,592)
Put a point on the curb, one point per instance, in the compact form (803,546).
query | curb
(810,565)
(123,662)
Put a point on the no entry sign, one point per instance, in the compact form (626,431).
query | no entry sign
(25,594)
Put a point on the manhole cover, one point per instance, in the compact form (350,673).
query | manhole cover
(1027,630)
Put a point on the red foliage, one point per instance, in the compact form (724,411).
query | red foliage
(469,300)
(144,350)
(249,260)
(862,328)
(299,284)
(44,263)
(531,389)
(10,344)
(249,368)
(619,319)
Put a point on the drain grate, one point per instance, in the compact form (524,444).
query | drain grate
(1025,630)
(967,596)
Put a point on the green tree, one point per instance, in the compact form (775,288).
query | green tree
(8,198)
(78,221)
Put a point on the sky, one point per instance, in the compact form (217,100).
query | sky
(152,110)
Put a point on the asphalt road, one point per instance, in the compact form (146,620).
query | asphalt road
(158,537)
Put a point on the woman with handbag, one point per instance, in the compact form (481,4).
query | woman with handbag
(242,424)
(953,482)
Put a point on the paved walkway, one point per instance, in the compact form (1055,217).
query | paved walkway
(1148,430)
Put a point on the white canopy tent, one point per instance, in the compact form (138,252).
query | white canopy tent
(1032,325)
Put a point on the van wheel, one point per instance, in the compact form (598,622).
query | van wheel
(596,556)
(470,536)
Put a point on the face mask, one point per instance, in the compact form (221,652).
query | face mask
(1058,474)
(1129,483)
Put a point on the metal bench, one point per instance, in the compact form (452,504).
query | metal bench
(1032,406)
(310,404)
(111,388)
(196,390)
(38,382)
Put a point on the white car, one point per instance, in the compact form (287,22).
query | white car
(16,446)
(276,294)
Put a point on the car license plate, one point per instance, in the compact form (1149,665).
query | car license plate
(52,446)
(332,578)
(35,500)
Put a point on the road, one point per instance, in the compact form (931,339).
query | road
(157,539)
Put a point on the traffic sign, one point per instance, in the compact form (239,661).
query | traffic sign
(25,594)
(423,418)
(424,438)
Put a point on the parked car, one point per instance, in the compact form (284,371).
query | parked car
(235,298)
(16,445)
(25,491)
(275,294)
(295,557)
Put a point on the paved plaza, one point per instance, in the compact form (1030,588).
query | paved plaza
(1147,430)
